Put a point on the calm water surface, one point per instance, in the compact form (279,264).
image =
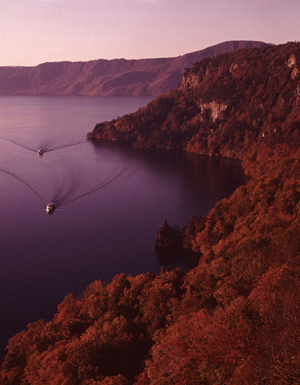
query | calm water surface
(111,201)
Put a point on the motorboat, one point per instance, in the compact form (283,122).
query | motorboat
(50,207)
(40,151)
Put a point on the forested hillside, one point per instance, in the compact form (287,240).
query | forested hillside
(232,105)
(235,318)
(108,77)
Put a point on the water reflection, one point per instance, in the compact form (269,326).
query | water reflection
(183,257)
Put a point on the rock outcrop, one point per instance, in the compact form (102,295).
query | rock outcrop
(168,238)
(235,105)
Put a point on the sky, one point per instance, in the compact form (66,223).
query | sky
(38,31)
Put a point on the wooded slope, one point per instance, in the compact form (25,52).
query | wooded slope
(232,105)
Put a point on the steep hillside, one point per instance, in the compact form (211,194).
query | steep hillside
(235,318)
(107,77)
(232,105)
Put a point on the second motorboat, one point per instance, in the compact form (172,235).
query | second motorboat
(50,207)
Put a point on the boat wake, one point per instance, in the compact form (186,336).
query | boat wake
(49,149)
(64,196)
(19,144)
(64,200)
(41,149)
(24,183)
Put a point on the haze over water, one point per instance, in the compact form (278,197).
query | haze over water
(110,200)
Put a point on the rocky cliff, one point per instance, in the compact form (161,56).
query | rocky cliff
(233,105)
(107,77)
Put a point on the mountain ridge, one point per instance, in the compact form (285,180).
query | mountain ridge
(133,77)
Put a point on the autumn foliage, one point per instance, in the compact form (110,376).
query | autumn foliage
(235,318)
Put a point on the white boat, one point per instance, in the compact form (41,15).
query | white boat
(50,207)
(40,151)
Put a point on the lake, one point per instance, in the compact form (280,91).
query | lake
(110,200)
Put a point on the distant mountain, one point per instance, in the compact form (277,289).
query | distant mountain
(144,77)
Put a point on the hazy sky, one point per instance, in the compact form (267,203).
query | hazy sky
(36,31)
